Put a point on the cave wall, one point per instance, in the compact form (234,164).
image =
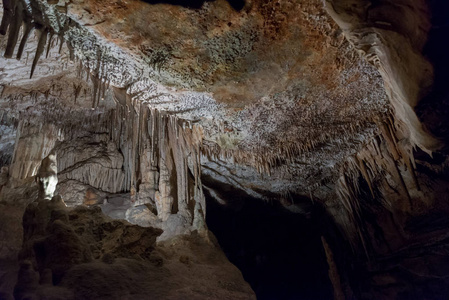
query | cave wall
(82,254)
(392,189)
(153,156)
(392,35)
(371,168)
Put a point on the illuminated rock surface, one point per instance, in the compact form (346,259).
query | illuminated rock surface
(306,135)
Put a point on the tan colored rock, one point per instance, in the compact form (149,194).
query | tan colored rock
(84,254)
(36,144)
(163,205)
(392,36)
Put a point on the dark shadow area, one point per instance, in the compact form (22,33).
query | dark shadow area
(196,4)
(403,257)
(433,110)
(279,253)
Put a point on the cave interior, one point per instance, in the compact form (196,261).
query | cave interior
(224,149)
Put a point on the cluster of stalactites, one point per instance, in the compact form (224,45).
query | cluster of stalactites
(99,77)
(37,135)
(161,157)
(20,17)
(160,153)
(152,143)
(388,154)
(33,143)
(265,160)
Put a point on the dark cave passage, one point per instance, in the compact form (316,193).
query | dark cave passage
(279,252)
(435,50)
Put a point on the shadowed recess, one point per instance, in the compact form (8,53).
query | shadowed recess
(278,252)
(195,4)
(436,51)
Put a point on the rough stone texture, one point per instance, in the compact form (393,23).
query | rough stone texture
(82,254)
(230,94)
(392,37)
(36,144)
(76,193)
(13,201)
(154,158)
(141,215)
(7,140)
(11,240)
(150,99)
(93,160)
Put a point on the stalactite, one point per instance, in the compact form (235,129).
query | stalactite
(104,87)
(8,12)
(411,169)
(392,147)
(71,51)
(39,49)
(94,91)
(14,30)
(365,175)
(50,39)
(61,43)
(88,75)
(385,154)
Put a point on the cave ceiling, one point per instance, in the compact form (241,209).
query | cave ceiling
(275,85)
(147,110)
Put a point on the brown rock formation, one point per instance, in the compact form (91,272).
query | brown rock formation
(392,37)
(79,253)
(334,110)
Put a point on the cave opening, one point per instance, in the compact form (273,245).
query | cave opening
(279,252)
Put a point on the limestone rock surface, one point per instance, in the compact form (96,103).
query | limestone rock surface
(82,254)
(338,106)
